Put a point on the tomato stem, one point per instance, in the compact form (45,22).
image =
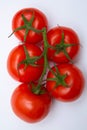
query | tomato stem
(37,89)
(45,54)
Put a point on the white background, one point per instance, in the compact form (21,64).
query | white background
(63,116)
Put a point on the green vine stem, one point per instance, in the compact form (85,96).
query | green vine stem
(37,90)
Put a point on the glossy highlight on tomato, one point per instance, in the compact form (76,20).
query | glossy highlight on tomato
(28,106)
(39,22)
(25,72)
(73,81)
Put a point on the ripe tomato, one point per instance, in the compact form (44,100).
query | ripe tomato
(29,106)
(39,21)
(66,43)
(69,82)
(24,70)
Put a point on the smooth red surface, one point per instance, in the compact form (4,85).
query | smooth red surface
(22,74)
(40,21)
(74,80)
(54,36)
(28,106)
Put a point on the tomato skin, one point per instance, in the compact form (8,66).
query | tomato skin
(54,36)
(22,74)
(40,21)
(29,106)
(75,81)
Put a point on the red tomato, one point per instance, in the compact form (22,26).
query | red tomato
(69,85)
(39,22)
(29,106)
(66,41)
(26,72)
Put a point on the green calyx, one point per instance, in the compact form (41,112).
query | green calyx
(58,78)
(62,46)
(28,60)
(27,26)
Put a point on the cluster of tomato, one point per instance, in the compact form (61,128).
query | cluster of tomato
(43,63)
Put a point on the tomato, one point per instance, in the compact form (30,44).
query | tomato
(65,43)
(24,68)
(68,84)
(39,21)
(28,106)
